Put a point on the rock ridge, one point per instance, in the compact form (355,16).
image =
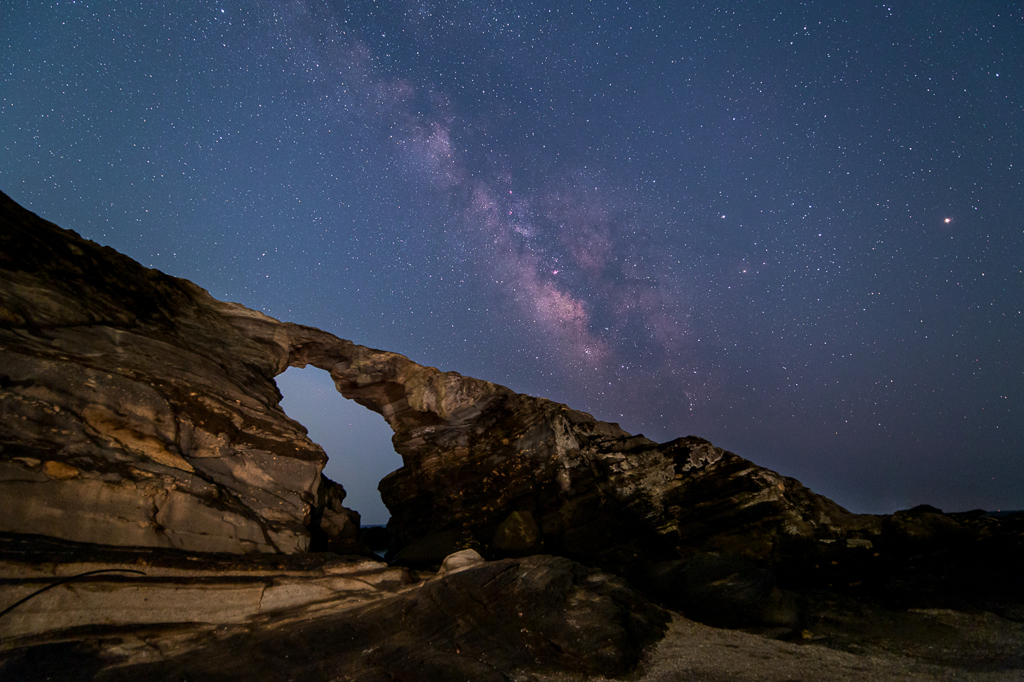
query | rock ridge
(144,412)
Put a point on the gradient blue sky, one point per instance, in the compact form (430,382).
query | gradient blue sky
(793,228)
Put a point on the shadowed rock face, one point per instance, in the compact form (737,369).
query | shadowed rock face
(139,410)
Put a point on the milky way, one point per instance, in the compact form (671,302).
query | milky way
(794,229)
(570,256)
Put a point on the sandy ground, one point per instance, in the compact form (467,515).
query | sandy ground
(691,652)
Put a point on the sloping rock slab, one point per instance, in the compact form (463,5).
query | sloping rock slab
(484,621)
(49,589)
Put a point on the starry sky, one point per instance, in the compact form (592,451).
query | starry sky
(793,228)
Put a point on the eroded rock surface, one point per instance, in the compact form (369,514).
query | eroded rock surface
(53,589)
(167,615)
(138,410)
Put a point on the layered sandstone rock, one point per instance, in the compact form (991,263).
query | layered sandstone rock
(138,410)
(126,614)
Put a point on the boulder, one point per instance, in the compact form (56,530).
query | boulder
(334,527)
(460,560)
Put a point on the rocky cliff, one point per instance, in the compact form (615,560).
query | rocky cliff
(138,410)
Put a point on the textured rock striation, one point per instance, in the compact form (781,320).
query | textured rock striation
(136,409)
(126,614)
(497,621)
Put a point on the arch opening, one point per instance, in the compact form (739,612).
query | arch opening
(357,441)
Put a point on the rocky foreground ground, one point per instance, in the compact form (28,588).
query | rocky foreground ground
(949,646)
(171,616)
(162,518)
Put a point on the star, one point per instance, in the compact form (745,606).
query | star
(571,259)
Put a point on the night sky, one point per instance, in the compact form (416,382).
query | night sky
(795,229)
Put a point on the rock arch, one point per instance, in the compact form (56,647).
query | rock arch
(357,440)
(136,409)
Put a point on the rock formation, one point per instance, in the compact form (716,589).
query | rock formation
(165,615)
(139,415)
(138,410)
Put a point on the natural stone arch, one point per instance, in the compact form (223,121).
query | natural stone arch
(357,441)
(473,452)
(212,463)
